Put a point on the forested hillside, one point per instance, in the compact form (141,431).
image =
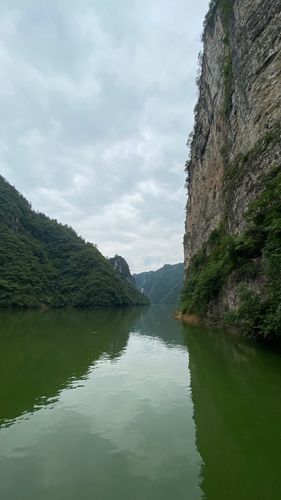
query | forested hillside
(43,262)
(162,286)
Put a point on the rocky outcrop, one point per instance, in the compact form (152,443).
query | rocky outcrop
(121,266)
(236,139)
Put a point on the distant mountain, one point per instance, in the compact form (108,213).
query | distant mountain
(162,286)
(121,266)
(43,262)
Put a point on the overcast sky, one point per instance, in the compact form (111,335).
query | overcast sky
(97,102)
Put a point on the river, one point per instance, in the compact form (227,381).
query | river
(132,405)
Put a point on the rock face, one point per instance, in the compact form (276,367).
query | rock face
(236,138)
(121,266)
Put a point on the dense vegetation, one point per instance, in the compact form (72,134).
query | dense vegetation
(253,255)
(162,286)
(43,262)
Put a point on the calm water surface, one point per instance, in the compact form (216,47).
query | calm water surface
(129,404)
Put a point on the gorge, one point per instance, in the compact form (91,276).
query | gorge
(100,399)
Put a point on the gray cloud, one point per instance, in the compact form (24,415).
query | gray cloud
(97,101)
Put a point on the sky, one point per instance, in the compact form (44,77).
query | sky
(97,101)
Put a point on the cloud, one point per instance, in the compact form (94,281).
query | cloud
(97,101)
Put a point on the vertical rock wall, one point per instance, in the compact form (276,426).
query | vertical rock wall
(239,103)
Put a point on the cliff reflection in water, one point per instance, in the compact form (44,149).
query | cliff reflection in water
(157,321)
(42,353)
(237,412)
(115,415)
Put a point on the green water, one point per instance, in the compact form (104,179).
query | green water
(129,404)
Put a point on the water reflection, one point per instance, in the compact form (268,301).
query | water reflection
(157,321)
(119,416)
(120,425)
(237,411)
(42,353)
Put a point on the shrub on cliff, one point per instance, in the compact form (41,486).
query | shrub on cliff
(223,254)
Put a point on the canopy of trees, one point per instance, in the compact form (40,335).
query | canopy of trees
(43,262)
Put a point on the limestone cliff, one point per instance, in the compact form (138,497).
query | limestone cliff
(235,145)
(121,266)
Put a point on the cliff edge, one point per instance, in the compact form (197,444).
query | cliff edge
(232,242)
